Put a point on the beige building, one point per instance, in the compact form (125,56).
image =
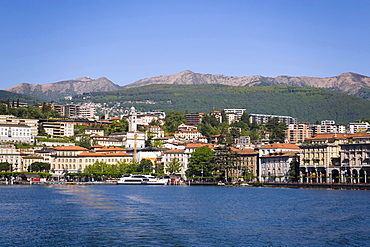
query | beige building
(247,163)
(319,156)
(297,133)
(12,155)
(355,160)
(75,158)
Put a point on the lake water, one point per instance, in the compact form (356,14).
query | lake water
(108,215)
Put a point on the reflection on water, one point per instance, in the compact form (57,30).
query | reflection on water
(101,215)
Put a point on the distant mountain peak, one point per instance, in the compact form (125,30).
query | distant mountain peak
(58,90)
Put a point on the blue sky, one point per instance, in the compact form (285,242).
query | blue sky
(44,41)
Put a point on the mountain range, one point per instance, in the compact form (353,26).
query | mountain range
(59,90)
(348,83)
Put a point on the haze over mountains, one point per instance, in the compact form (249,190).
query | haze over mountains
(349,83)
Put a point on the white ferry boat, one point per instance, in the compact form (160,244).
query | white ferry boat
(133,179)
(156,181)
(142,180)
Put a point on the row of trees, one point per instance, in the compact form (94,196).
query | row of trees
(34,167)
(99,169)
(37,111)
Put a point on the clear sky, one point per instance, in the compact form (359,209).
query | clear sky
(44,41)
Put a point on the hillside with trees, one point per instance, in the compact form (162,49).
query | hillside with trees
(305,104)
(10,97)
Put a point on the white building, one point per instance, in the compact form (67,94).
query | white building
(32,123)
(182,155)
(358,127)
(156,131)
(58,129)
(263,119)
(94,131)
(264,151)
(233,115)
(15,133)
(276,166)
(327,122)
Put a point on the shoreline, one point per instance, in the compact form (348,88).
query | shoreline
(334,186)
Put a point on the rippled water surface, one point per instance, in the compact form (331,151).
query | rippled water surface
(108,215)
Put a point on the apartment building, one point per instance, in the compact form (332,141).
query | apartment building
(75,111)
(297,133)
(358,127)
(233,115)
(193,119)
(183,156)
(263,119)
(58,129)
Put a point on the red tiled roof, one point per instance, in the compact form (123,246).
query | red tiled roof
(98,146)
(247,151)
(119,154)
(281,154)
(198,145)
(359,134)
(174,151)
(328,136)
(280,145)
(70,148)
(110,149)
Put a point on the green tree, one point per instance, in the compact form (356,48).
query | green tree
(277,129)
(39,167)
(33,112)
(5,166)
(86,141)
(245,118)
(201,163)
(145,166)
(117,126)
(173,120)
(226,159)
(174,166)
(127,168)
(3,109)
(209,126)
(155,122)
